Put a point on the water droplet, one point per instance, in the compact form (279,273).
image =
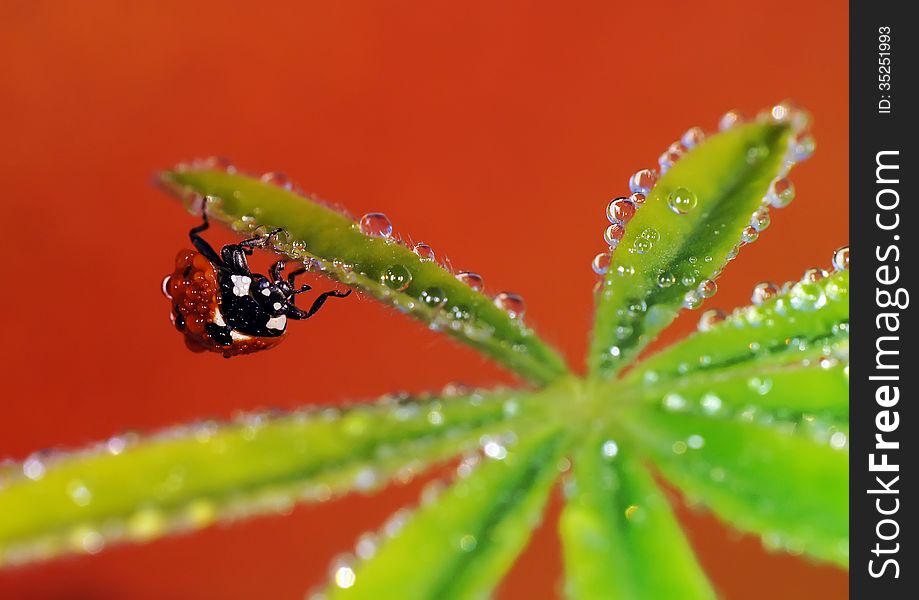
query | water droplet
(651,234)
(692,300)
(729,120)
(710,318)
(642,181)
(693,137)
(838,440)
(631,512)
(637,199)
(841,259)
(165,287)
(600,263)
(344,576)
(749,235)
(803,147)
(468,543)
(707,288)
(674,402)
(682,200)
(473,280)
(511,303)
(756,153)
(642,245)
(665,280)
(620,210)
(760,219)
(764,291)
(278,179)
(34,467)
(218,163)
(376,225)
(610,449)
(667,160)
(781,192)
(424,252)
(679,447)
(807,296)
(396,277)
(813,274)
(494,449)
(433,297)
(625,270)
(613,235)
(79,493)
(711,403)
(695,441)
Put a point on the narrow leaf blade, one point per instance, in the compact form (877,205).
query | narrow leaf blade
(332,243)
(691,224)
(788,486)
(460,545)
(806,316)
(188,477)
(620,537)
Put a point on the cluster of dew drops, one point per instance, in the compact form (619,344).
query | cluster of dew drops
(396,277)
(683,201)
(399,278)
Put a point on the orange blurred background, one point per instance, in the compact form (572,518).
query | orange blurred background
(495,131)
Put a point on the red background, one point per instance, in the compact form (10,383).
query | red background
(495,131)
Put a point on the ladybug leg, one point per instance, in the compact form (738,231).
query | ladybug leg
(276,269)
(201,244)
(295,313)
(259,241)
(293,275)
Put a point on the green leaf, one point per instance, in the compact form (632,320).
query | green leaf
(760,476)
(665,257)
(142,488)
(620,537)
(808,315)
(332,243)
(815,387)
(460,545)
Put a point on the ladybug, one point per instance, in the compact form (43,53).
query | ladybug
(222,306)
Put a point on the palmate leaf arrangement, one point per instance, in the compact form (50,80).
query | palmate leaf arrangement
(748,416)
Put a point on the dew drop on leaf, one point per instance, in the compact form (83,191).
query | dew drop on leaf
(763,291)
(277,179)
(600,263)
(613,234)
(376,225)
(433,297)
(781,192)
(729,120)
(749,235)
(511,303)
(473,280)
(710,318)
(396,277)
(642,181)
(693,137)
(841,259)
(682,200)
(620,210)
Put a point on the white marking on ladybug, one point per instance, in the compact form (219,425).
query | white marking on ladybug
(239,337)
(279,322)
(277,305)
(218,318)
(266,292)
(240,284)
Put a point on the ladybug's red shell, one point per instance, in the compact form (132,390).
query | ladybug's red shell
(195,295)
